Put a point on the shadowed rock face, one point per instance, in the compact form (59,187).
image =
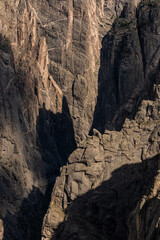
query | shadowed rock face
(73,31)
(51,72)
(96,192)
(129,65)
(31,128)
(31,154)
(105,179)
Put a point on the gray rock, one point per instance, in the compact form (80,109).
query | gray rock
(54,90)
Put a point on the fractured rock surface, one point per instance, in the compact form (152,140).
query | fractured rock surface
(51,73)
(108,175)
(104,179)
(73,31)
(129,65)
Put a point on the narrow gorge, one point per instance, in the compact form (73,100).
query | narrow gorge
(79,120)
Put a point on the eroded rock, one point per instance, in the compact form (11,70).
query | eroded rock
(110,188)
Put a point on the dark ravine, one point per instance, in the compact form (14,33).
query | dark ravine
(64,97)
(107,178)
(129,66)
(111,181)
(31,154)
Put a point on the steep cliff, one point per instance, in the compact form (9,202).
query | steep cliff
(129,64)
(49,61)
(105,179)
(30,156)
(57,84)
(98,194)
(36,128)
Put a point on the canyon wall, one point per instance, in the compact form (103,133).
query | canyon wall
(109,188)
(66,68)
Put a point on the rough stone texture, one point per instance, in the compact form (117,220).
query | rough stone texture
(75,53)
(105,178)
(144,221)
(129,64)
(36,132)
(49,62)
(73,31)
(29,157)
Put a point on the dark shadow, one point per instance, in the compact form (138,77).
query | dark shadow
(124,77)
(117,85)
(46,148)
(55,132)
(55,142)
(5,45)
(103,213)
(26,224)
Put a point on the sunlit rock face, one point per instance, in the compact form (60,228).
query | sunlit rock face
(129,65)
(73,31)
(109,188)
(56,84)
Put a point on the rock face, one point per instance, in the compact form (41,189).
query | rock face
(57,86)
(98,194)
(144,220)
(129,65)
(75,52)
(36,130)
(104,179)
(73,31)
(29,154)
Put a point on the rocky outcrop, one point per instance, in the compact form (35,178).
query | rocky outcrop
(129,65)
(75,53)
(49,68)
(144,220)
(106,177)
(73,31)
(27,162)
(36,130)
(49,61)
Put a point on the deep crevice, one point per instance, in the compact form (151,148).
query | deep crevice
(116,102)
(45,150)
